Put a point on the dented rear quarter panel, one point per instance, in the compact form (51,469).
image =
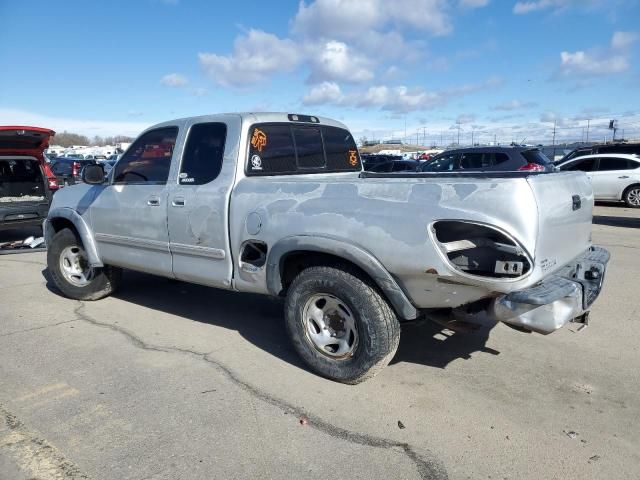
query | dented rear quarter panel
(390,218)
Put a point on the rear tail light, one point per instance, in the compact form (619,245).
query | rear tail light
(532,167)
(52,181)
(75,169)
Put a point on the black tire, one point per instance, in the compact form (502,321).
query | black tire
(631,196)
(377,324)
(103,282)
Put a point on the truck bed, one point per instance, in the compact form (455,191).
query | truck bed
(392,216)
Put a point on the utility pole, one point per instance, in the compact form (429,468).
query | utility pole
(458,134)
(495,142)
(441,139)
(554,140)
(472,144)
(588,121)
(405,128)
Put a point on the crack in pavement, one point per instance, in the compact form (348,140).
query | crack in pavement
(31,262)
(40,328)
(428,467)
(33,454)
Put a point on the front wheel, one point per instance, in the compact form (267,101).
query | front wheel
(70,270)
(340,325)
(632,196)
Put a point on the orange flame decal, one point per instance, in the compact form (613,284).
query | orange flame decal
(258,139)
(353,158)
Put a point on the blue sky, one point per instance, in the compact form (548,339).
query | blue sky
(505,68)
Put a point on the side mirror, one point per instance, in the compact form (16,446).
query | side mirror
(93,174)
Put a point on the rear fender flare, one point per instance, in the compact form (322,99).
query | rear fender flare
(338,248)
(81,227)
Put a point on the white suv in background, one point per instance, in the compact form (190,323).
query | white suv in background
(614,176)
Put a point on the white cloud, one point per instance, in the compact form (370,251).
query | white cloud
(465,118)
(200,92)
(584,63)
(473,3)
(524,7)
(174,80)
(83,126)
(513,105)
(527,7)
(335,61)
(346,41)
(256,55)
(326,92)
(398,99)
(347,19)
(621,40)
(548,117)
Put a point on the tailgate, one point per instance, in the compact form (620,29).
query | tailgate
(565,210)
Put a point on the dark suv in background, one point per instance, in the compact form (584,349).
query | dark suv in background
(500,159)
(628,148)
(67,170)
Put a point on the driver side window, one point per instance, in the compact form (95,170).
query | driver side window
(148,160)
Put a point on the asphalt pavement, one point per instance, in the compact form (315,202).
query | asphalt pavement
(167,380)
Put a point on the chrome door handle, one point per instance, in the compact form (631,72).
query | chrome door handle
(153,201)
(624,176)
(178,202)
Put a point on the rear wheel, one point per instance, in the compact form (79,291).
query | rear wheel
(340,325)
(631,196)
(70,270)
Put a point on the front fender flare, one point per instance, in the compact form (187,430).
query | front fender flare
(81,227)
(339,248)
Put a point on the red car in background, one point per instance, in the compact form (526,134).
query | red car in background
(26,180)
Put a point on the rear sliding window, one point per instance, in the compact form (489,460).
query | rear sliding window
(285,149)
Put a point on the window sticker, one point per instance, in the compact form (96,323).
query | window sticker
(259,139)
(256,162)
(353,157)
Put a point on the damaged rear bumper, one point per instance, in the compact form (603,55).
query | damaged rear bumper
(557,300)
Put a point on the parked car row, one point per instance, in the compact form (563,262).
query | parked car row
(614,176)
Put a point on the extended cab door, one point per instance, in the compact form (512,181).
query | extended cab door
(129,215)
(199,203)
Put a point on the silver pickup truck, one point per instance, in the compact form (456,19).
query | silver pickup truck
(278,204)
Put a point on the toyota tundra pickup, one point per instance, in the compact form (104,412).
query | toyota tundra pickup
(278,204)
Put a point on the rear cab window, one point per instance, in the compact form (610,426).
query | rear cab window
(287,149)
